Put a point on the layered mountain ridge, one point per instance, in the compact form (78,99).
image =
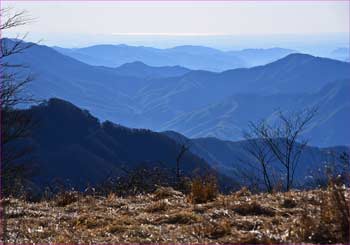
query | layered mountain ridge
(194,102)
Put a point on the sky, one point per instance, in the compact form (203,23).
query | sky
(71,23)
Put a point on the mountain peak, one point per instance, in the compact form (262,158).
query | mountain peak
(134,64)
(300,58)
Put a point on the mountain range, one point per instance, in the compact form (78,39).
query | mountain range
(193,57)
(194,102)
(226,119)
(69,145)
(229,157)
(342,54)
(65,137)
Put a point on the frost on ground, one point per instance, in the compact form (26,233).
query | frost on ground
(168,216)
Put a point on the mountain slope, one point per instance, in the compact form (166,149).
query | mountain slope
(256,57)
(149,98)
(342,54)
(227,119)
(165,99)
(229,156)
(141,70)
(72,146)
(106,92)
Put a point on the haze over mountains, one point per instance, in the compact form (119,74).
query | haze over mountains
(193,57)
(342,54)
(197,103)
(226,119)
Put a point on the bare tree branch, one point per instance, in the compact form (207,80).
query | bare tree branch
(282,141)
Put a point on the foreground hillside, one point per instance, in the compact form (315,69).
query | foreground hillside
(168,216)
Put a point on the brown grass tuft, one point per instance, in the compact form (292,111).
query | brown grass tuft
(65,198)
(180,218)
(328,222)
(214,229)
(243,192)
(159,206)
(203,189)
(289,203)
(165,192)
(253,209)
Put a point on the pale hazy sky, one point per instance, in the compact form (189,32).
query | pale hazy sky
(183,19)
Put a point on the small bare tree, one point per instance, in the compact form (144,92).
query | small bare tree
(184,148)
(261,154)
(15,124)
(283,139)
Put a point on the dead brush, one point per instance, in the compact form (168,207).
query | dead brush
(116,228)
(182,217)
(243,192)
(329,221)
(165,192)
(159,206)
(250,238)
(213,229)
(89,221)
(288,200)
(203,189)
(253,208)
(65,198)
(335,213)
(289,203)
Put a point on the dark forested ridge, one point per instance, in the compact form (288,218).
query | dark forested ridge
(72,146)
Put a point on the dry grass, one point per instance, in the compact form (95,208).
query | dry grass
(167,216)
(65,198)
(253,209)
(179,218)
(165,192)
(203,189)
(158,206)
(331,224)
(214,229)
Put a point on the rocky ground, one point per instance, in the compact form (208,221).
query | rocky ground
(168,216)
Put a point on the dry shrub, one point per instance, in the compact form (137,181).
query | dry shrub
(289,203)
(253,209)
(65,198)
(254,239)
(213,229)
(165,192)
(245,225)
(65,237)
(116,228)
(335,215)
(244,191)
(90,221)
(159,206)
(331,223)
(203,189)
(180,218)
